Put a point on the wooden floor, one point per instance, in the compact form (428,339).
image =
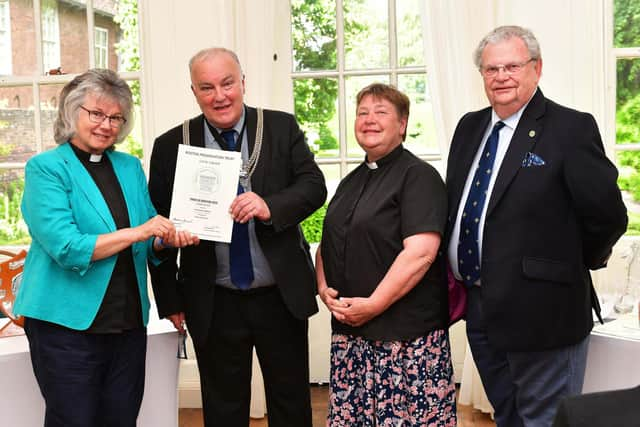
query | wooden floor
(467,417)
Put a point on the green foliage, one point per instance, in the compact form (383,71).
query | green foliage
(313,35)
(128,44)
(127,47)
(627,34)
(633,229)
(13,230)
(628,121)
(312,226)
(132,146)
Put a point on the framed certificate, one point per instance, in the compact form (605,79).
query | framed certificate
(205,184)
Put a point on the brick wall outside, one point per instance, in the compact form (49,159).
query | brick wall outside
(16,103)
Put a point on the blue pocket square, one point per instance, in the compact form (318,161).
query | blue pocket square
(532,159)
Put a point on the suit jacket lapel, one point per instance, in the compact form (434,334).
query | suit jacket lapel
(520,144)
(83,180)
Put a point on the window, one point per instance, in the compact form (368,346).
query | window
(50,35)
(74,36)
(5,38)
(101,47)
(340,46)
(626,54)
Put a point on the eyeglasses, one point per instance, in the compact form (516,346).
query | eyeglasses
(509,69)
(98,117)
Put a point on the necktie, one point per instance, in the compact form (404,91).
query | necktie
(468,247)
(241,266)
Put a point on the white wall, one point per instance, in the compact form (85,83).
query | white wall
(175,30)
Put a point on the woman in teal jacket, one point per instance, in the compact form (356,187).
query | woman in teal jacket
(84,289)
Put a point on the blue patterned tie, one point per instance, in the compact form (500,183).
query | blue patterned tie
(468,249)
(241,267)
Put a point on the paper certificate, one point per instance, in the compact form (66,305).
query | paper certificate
(205,184)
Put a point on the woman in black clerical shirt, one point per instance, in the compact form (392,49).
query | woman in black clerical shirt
(380,275)
(84,288)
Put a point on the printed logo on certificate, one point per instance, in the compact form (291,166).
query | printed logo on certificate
(205,184)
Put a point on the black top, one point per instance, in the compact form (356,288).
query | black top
(374,209)
(120,309)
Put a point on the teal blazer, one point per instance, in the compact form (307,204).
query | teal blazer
(65,213)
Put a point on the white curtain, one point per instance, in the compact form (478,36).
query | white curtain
(571,34)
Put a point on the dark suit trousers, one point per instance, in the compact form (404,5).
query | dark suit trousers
(88,379)
(523,387)
(241,321)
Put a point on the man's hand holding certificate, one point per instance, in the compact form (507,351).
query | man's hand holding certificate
(205,185)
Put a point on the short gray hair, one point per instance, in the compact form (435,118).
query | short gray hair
(97,81)
(210,52)
(507,32)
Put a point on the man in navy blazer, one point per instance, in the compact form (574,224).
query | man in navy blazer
(268,310)
(551,211)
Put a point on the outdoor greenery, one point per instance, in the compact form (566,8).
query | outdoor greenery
(129,54)
(312,226)
(627,34)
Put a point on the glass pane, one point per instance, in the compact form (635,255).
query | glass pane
(628,101)
(316,106)
(626,23)
(353,85)
(124,39)
(629,183)
(421,130)
(48,111)
(17,38)
(366,34)
(64,37)
(133,142)
(17,138)
(332,178)
(101,48)
(313,34)
(13,230)
(409,25)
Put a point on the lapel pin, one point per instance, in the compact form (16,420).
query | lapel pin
(532,133)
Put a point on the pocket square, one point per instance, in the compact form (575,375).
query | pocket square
(532,159)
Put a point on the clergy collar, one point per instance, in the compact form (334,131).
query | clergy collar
(390,157)
(87,157)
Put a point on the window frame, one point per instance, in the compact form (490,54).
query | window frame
(6,54)
(341,74)
(101,50)
(614,54)
(50,34)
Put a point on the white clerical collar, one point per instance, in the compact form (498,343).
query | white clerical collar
(95,158)
(372,165)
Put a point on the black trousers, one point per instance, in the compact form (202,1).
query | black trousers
(242,321)
(88,379)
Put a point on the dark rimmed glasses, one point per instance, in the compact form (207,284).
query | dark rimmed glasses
(98,117)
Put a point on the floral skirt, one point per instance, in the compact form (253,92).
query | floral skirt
(392,383)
